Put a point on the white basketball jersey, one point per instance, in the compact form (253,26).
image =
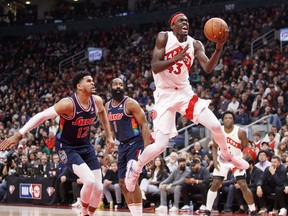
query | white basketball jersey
(177,75)
(233,141)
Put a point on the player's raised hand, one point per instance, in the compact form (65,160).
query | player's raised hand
(11,141)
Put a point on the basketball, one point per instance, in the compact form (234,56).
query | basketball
(214,29)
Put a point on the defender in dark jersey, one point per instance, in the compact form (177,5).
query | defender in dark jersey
(130,127)
(77,114)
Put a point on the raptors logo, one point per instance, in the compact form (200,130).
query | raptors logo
(154,114)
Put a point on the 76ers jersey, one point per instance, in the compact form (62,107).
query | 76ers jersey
(233,141)
(124,126)
(177,75)
(75,131)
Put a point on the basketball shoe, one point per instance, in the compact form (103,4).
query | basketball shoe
(238,162)
(131,176)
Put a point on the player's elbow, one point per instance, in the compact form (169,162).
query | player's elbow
(154,68)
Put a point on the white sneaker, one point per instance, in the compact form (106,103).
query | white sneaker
(143,195)
(174,209)
(162,208)
(283,212)
(274,211)
(202,208)
(238,162)
(262,211)
(185,208)
(77,203)
(131,176)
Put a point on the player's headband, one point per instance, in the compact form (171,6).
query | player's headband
(175,17)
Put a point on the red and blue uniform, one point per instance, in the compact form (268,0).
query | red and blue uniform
(127,132)
(73,137)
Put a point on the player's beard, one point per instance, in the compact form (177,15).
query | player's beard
(117,94)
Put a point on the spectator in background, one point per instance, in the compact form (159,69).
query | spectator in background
(158,174)
(233,105)
(271,137)
(223,105)
(50,141)
(111,183)
(242,117)
(173,185)
(149,105)
(255,110)
(23,166)
(274,176)
(209,161)
(15,128)
(263,160)
(276,135)
(196,182)
(53,127)
(173,162)
(281,149)
(265,147)
(257,141)
(144,98)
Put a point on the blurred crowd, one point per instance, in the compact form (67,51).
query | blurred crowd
(251,86)
(69,11)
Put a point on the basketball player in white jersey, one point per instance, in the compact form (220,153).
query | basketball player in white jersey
(237,140)
(172,58)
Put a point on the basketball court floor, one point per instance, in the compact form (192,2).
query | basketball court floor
(32,210)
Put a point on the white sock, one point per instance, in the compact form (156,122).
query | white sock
(153,150)
(136,209)
(252,207)
(215,127)
(211,196)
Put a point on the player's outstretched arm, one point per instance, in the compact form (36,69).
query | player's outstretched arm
(64,106)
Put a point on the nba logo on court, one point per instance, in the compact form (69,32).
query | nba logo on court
(30,191)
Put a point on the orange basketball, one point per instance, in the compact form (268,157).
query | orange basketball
(214,29)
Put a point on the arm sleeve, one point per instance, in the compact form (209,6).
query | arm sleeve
(38,119)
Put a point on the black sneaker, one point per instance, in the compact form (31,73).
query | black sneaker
(227,211)
(253,213)
(240,211)
(207,213)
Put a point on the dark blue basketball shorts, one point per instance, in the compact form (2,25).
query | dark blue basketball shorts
(128,151)
(78,155)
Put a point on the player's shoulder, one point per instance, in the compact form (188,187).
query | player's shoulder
(162,35)
(197,44)
(131,102)
(97,98)
(67,101)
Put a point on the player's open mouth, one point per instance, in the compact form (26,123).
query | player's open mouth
(185,28)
